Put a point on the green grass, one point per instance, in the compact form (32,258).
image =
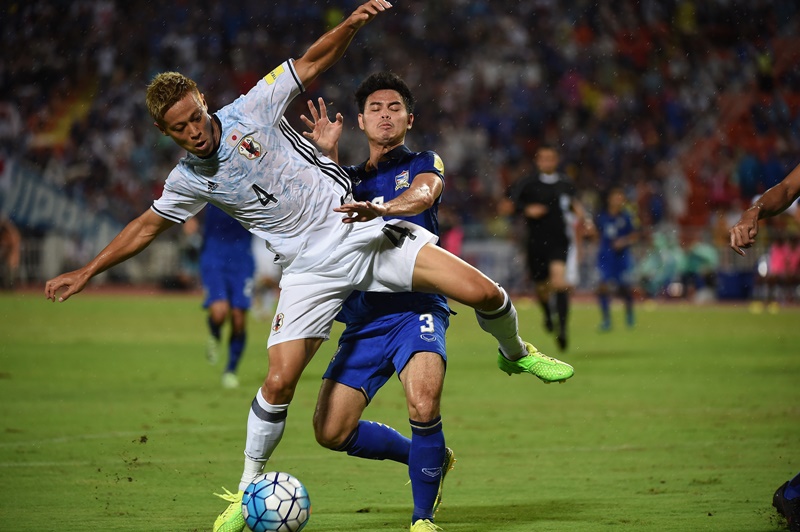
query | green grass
(112,420)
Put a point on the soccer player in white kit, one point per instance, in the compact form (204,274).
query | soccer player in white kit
(249,162)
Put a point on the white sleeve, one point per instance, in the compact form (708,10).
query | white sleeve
(177,203)
(266,102)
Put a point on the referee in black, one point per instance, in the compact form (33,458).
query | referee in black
(547,201)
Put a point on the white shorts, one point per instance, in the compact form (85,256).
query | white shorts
(376,256)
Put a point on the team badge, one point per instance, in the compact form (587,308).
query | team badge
(401,180)
(438,164)
(250,148)
(277,323)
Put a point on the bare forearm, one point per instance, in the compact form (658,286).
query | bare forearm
(136,236)
(778,198)
(331,46)
(410,202)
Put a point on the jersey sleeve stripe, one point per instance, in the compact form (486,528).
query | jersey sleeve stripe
(167,216)
(308,152)
(294,75)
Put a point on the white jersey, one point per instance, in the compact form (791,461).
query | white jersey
(265,175)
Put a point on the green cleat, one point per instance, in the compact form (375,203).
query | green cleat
(231,520)
(546,368)
(424,525)
(449,463)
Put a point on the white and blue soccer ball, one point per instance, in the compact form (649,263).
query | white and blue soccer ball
(276,502)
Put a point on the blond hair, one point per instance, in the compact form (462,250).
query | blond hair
(167,89)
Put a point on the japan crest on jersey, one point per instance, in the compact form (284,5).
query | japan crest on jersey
(401,180)
(250,148)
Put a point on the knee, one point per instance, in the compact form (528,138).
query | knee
(277,389)
(486,295)
(329,436)
(218,313)
(423,409)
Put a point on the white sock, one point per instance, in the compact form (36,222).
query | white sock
(265,425)
(502,324)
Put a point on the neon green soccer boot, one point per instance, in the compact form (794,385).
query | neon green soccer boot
(547,369)
(449,463)
(424,525)
(231,520)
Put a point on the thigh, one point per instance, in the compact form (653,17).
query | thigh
(339,408)
(213,280)
(439,271)
(307,305)
(558,277)
(369,354)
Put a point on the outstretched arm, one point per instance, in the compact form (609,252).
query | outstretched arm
(136,236)
(773,201)
(419,197)
(330,47)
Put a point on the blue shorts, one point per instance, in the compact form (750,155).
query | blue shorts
(370,353)
(615,269)
(224,282)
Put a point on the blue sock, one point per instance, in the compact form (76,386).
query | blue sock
(425,465)
(235,350)
(376,441)
(214,328)
(792,490)
(604,308)
(628,298)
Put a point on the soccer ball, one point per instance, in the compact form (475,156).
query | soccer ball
(276,502)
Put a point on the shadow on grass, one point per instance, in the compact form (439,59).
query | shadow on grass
(472,518)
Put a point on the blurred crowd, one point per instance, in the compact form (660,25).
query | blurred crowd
(690,105)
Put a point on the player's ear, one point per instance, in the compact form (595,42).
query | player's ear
(160,128)
(361,121)
(410,121)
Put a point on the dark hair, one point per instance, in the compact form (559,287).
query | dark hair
(384,81)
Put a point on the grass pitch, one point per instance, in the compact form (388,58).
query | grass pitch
(111,419)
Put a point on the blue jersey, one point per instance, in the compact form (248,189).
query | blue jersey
(393,176)
(614,262)
(224,239)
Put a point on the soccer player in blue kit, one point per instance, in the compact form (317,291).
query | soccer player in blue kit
(401,333)
(247,160)
(226,270)
(618,231)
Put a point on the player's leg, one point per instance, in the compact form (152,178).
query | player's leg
(361,366)
(558,282)
(439,271)
(539,274)
(338,426)
(267,420)
(236,345)
(429,459)
(240,287)
(217,314)
(302,322)
(604,301)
